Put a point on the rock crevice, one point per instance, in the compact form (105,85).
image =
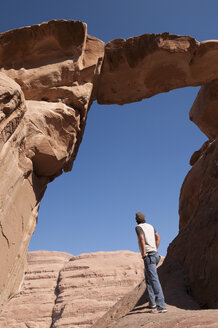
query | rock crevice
(3,234)
(56,316)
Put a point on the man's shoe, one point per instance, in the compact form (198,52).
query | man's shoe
(152,306)
(154,310)
(161,310)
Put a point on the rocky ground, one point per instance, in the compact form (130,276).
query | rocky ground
(132,310)
(140,317)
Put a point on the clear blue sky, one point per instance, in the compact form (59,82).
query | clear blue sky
(133,157)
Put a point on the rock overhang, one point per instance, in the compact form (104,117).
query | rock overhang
(143,66)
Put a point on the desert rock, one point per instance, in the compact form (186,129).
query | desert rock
(46,89)
(197,242)
(143,66)
(62,290)
(204,111)
(182,310)
(140,317)
(51,135)
(15,189)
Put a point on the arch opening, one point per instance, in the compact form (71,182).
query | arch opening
(132,157)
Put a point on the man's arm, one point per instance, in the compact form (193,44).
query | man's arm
(141,241)
(157,239)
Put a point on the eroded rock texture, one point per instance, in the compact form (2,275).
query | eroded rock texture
(46,88)
(196,245)
(143,66)
(204,112)
(62,290)
(47,76)
(182,311)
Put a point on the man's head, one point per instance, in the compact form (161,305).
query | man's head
(140,217)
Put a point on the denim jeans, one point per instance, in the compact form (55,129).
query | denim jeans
(154,288)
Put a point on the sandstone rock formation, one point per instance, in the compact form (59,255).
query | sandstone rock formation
(133,311)
(46,88)
(143,66)
(197,243)
(54,62)
(204,112)
(198,206)
(62,290)
(56,65)
(140,317)
(34,305)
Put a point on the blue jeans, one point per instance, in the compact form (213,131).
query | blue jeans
(154,288)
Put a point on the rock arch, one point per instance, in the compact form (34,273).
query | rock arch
(50,75)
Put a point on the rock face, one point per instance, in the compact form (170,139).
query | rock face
(61,290)
(198,227)
(54,62)
(204,112)
(143,66)
(197,242)
(18,202)
(46,89)
(33,306)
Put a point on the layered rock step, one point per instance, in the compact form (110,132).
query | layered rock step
(62,290)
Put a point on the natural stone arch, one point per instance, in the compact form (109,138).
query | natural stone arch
(47,88)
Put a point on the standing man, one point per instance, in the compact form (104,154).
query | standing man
(149,241)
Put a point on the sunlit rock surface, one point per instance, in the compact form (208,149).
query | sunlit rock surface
(143,66)
(197,242)
(182,310)
(62,290)
(47,76)
(204,112)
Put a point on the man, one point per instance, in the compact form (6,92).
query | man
(149,240)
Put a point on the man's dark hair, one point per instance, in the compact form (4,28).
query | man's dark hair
(140,217)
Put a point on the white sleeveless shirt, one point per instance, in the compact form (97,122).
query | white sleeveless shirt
(149,234)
